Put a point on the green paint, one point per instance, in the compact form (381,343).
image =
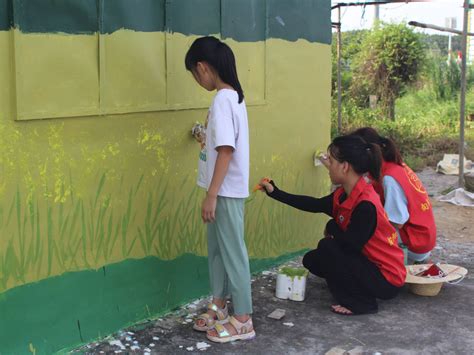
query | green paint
(295,19)
(293,272)
(68,16)
(147,15)
(68,310)
(5,14)
(245,20)
(198,17)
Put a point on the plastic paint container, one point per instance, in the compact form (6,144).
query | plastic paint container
(291,283)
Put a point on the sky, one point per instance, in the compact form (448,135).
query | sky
(434,12)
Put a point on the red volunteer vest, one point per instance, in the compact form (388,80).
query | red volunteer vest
(419,232)
(382,248)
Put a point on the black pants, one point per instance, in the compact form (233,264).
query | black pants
(354,281)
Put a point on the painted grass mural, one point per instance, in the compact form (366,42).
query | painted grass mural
(70,233)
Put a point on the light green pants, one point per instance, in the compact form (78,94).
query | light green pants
(229,270)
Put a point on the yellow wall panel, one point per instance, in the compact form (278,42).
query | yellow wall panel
(183,91)
(250,59)
(6,73)
(57,75)
(133,71)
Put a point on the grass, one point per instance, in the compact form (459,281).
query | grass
(425,128)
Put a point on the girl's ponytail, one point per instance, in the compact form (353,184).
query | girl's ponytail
(219,56)
(362,156)
(375,160)
(227,69)
(390,151)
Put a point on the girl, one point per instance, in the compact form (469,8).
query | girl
(405,199)
(359,256)
(225,161)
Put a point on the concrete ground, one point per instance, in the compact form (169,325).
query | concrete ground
(409,324)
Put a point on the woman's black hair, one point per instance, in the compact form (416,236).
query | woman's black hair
(219,56)
(362,156)
(390,151)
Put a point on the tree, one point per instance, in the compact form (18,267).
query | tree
(389,61)
(351,42)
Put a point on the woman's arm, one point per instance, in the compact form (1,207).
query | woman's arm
(301,202)
(396,203)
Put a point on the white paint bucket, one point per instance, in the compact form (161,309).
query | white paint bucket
(283,286)
(291,286)
(299,288)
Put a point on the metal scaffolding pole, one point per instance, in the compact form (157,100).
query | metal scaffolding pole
(463,94)
(339,84)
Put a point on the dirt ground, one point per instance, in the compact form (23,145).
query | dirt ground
(454,221)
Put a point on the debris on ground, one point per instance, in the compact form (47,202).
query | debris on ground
(277,314)
(202,345)
(459,197)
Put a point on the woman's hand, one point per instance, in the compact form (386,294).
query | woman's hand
(324,159)
(327,235)
(265,183)
(208,209)
(331,228)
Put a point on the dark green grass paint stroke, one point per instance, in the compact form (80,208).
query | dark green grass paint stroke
(65,311)
(242,20)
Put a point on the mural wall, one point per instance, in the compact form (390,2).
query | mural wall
(99,212)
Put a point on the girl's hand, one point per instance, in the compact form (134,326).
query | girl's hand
(208,209)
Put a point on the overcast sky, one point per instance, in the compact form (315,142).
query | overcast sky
(434,12)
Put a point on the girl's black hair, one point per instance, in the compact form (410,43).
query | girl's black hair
(390,151)
(219,56)
(362,156)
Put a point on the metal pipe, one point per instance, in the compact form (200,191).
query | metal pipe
(463,94)
(381,2)
(438,28)
(339,84)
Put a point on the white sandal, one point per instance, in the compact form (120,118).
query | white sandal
(244,330)
(222,316)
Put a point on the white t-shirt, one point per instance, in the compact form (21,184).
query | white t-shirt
(227,125)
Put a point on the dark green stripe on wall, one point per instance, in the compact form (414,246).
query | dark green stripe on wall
(5,15)
(69,16)
(242,20)
(77,307)
(199,17)
(295,19)
(139,15)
